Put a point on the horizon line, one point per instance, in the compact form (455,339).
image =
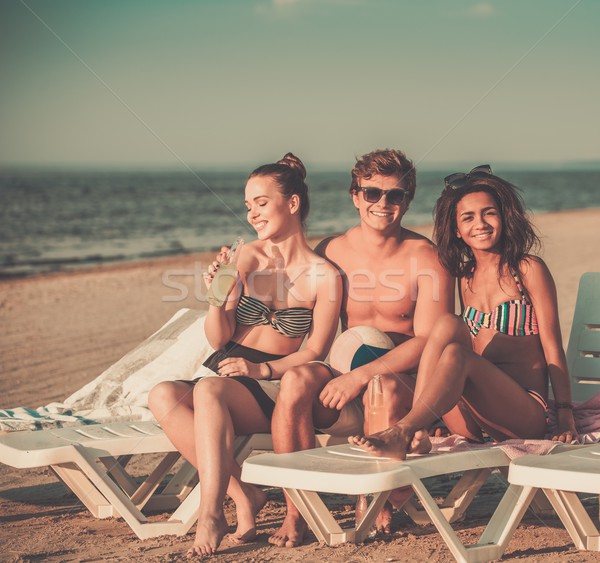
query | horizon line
(244,166)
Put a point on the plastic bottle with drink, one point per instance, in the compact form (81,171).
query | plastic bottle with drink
(378,417)
(225,276)
(377,420)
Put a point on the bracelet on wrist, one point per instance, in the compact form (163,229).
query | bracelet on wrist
(564,405)
(269,377)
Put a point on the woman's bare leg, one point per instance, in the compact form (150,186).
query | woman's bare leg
(221,407)
(172,403)
(449,329)
(458,372)
(460,420)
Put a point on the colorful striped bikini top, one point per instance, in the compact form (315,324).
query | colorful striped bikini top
(513,318)
(293,322)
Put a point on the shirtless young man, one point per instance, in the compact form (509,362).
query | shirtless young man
(393,281)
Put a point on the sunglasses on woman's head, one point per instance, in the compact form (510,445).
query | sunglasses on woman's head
(394,197)
(458,180)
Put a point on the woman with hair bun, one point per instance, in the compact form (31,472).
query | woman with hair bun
(285,292)
(487,370)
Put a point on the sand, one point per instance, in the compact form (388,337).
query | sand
(59,331)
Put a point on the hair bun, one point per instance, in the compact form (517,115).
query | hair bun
(293,162)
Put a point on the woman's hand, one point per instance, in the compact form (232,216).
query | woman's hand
(565,431)
(209,275)
(239,366)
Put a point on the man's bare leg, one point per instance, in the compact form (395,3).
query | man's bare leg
(395,442)
(292,429)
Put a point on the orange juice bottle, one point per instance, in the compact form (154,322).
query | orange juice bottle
(378,416)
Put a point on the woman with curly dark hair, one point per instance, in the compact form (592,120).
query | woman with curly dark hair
(487,370)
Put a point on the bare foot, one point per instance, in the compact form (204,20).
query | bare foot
(383,521)
(209,533)
(246,514)
(395,442)
(292,532)
(439,431)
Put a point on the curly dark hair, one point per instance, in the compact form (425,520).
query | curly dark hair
(386,162)
(518,235)
(289,173)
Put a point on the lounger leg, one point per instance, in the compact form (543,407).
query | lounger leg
(151,483)
(141,494)
(364,526)
(323,524)
(458,500)
(317,515)
(116,470)
(86,492)
(95,502)
(497,533)
(188,510)
(575,519)
(506,518)
(540,504)
(452,541)
(181,480)
(121,502)
(176,490)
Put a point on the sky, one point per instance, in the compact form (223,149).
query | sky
(206,83)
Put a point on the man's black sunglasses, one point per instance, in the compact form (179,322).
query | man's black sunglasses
(395,196)
(458,180)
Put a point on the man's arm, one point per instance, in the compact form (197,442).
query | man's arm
(435,297)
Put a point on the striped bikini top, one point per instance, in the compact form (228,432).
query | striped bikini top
(513,318)
(293,322)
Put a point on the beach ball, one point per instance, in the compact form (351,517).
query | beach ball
(357,346)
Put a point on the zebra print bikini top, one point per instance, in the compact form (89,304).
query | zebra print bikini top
(513,318)
(293,322)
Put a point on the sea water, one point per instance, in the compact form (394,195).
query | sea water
(63,219)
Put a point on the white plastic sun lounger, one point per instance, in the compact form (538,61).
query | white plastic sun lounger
(583,352)
(348,470)
(301,474)
(91,461)
(561,476)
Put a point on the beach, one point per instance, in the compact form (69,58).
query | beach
(59,331)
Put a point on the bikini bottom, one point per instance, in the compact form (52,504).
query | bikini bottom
(537,397)
(263,391)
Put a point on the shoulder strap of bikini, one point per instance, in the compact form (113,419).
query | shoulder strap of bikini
(321,248)
(520,285)
(460,295)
